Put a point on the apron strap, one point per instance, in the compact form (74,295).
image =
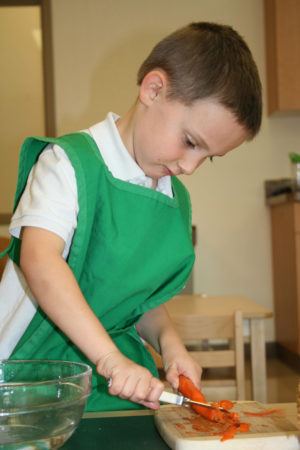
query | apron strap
(72,145)
(7,249)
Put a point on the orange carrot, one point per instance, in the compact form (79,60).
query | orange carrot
(188,389)
(229,433)
(244,427)
(227,404)
(233,429)
(266,412)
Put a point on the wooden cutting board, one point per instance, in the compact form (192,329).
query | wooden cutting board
(273,432)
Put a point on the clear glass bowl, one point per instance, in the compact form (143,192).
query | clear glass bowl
(41,402)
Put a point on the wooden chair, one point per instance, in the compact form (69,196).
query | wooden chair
(214,333)
(4,241)
(206,338)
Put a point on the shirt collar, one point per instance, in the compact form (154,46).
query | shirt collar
(117,158)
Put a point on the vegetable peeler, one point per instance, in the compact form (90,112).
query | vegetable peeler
(177,399)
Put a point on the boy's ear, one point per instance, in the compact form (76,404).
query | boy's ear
(153,86)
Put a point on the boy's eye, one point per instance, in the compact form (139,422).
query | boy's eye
(189,143)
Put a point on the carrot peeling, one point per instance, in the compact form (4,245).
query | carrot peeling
(266,412)
(229,421)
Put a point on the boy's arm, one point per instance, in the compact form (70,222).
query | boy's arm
(158,330)
(58,294)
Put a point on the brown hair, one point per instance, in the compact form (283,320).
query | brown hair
(205,60)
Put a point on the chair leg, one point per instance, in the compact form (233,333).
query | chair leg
(239,352)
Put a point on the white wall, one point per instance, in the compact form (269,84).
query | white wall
(21,91)
(98,46)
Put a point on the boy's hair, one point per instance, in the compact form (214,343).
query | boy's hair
(208,60)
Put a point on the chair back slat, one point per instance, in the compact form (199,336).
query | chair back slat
(196,330)
(191,327)
(215,358)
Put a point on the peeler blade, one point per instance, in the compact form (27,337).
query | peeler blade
(177,399)
(205,405)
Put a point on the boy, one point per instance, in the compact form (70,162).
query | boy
(102,225)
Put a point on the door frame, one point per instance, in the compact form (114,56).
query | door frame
(48,69)
(47,58)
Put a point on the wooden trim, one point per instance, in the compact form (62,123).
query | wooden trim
(5,218)
(48,68)
(194,235)
(126,413)
(288,357)
(20,2)
(47,55)
(271,55)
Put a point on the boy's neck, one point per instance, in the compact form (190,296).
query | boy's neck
(125,125)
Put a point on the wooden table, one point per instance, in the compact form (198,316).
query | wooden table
(196,304)
(134,430)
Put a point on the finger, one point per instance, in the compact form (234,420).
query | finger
(151,405)
(173,377)
(142,390)
(155,391)
(197,377)
(117,385)
(130,388)
(194,375)
(196,382)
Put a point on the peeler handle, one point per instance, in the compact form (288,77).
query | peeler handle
(166,397)
(170,397)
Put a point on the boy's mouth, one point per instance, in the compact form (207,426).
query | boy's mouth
(168,171)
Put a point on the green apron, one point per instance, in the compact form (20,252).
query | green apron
(131,251)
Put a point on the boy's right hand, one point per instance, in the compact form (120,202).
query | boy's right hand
(129,380)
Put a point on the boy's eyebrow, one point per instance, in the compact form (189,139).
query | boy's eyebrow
(200,140)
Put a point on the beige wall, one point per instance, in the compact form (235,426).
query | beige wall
(98,46)
(21,91)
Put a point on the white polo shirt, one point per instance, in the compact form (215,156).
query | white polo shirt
(50,202)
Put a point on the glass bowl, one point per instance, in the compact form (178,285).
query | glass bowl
(41,402)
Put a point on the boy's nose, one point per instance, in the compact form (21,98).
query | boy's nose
(189,164)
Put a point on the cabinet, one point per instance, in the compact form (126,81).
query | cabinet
(282,27)
(285,219)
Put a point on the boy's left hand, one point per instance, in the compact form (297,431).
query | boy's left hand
(182,364)
(158,330)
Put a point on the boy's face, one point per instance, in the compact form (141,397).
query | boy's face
(170,138)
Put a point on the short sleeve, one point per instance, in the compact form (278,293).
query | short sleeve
(49,200)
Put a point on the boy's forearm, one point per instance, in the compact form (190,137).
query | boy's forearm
(58,294)
(158,330)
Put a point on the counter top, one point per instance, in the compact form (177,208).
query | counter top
(283,198)
(118,430)
(132,430)
(282,190)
